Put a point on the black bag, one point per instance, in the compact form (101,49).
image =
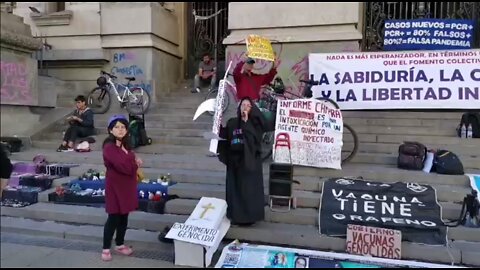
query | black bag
(13,144)
(470,213)
(411,156)
(138,134)
(470,119)
(42,181)
(446,162)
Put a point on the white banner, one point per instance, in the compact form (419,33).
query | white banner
(399,80)
(242,255)
(315,129)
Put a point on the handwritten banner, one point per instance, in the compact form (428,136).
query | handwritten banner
(399,80)
(375,242)
(260,48)
(428,34)
(315,129)
(193,234)
(409,207)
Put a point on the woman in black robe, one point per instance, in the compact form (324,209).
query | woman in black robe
(240,151)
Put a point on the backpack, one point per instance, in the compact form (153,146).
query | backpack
(133,130)
(411,156)
(446,162)
(470,213)
(470,119)
(138,134)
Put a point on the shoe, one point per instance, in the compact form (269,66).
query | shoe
(61,148)
(162,238)
(124,250)
(106,255)
(68,149)
(196,90)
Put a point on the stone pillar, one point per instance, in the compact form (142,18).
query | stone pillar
(19,72)
(296,29)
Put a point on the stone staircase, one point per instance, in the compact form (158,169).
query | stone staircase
(180,149)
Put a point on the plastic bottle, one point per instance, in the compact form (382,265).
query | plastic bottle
(169,178)
(463,133)
(469,132)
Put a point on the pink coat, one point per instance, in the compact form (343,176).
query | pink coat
(121,180)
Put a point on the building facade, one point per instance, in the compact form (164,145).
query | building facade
(160,43)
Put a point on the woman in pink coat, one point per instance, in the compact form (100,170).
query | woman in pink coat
(120,185)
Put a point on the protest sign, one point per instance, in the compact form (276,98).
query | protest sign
(409,207)
(260,48)
(315,129)
(399,80)
(428,34)
(375,242)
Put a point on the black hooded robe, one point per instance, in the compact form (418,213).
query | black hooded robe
(241,153)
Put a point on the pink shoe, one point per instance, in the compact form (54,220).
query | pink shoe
(124,250)
(106,255)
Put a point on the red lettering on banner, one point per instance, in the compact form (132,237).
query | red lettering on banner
(376,242)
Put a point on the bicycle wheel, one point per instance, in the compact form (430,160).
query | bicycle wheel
(138,101)
(213,94)
(350,143)
(99,100)
(268,140)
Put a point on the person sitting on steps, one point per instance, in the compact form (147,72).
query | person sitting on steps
(206,73)
(81,125)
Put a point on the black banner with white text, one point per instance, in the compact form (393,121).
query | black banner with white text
(408,207)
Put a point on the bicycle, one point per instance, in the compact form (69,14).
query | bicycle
(273,92)
(135,99)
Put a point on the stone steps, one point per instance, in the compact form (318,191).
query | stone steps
(445,193)
(385,173)
(305,214)
(304,236)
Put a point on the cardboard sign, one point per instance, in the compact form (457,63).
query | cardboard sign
(193,234)
(260,48)
(316,133)
(375,242)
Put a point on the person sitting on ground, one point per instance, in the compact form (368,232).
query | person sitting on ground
(249,83)
(206,73)
(81,125)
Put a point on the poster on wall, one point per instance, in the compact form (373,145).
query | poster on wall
(399,80)
(428,34)
(315,129)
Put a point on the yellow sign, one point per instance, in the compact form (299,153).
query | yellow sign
(260,48)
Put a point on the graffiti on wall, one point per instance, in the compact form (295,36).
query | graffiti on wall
(292,61)
(129,64)
(15,85)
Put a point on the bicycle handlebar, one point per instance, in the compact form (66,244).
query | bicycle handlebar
(108,74)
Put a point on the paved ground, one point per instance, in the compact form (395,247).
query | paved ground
(19,250)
